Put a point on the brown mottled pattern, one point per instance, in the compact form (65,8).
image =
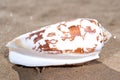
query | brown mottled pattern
(65,33)
(46,47)
(88,29)
(39,36)
(79,50)
(65,36)
(67,51)
(51,34)
(74,31)
(89,50)
(59,27)
(93,21)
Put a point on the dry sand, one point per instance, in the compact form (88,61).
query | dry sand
(21,16)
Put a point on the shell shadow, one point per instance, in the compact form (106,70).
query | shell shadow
(94,70)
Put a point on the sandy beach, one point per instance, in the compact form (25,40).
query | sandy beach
(21,16)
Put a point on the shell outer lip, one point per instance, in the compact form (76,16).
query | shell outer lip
(47,60)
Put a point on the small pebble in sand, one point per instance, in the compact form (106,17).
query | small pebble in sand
(114,37)
(11,14)
(31,17)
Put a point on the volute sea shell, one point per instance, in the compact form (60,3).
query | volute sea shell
(67,42)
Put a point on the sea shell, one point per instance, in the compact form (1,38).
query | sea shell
(63,43)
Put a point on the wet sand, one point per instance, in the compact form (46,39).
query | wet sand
(18,17)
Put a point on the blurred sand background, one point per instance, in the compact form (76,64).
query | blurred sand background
(20,16)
